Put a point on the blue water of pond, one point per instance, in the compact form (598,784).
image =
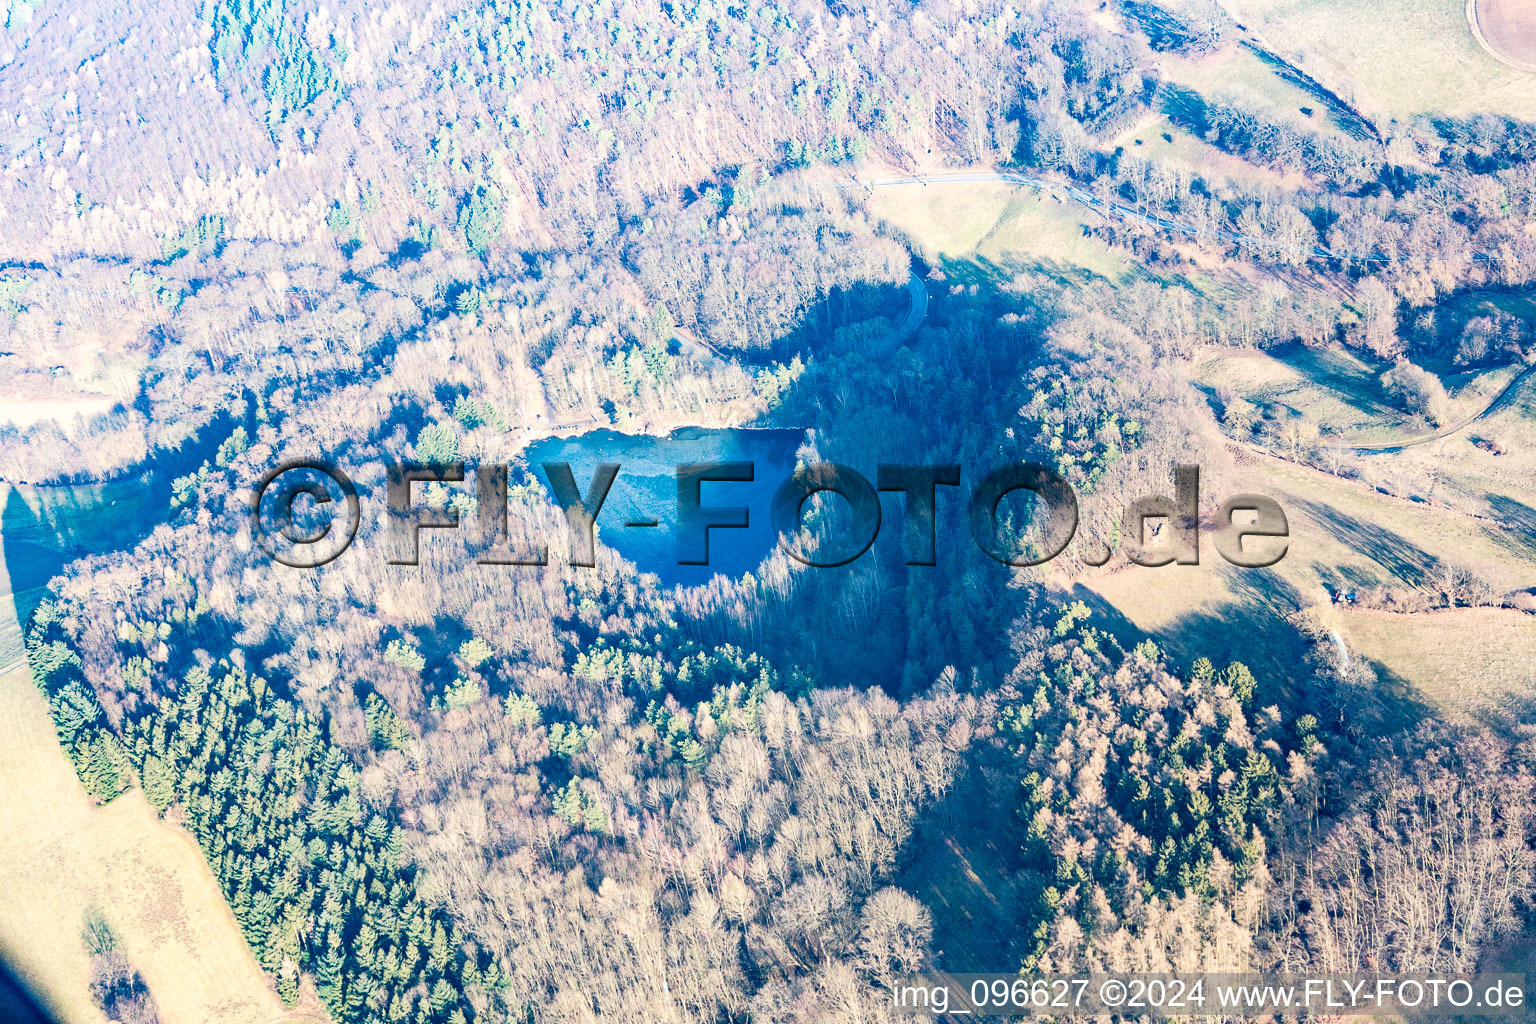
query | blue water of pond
(44,528)
(646,489)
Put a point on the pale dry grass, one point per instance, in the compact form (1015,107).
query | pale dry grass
(1494,479)
(71,414)
(1393,58)
(1337,389)
(1344,536)
(1466,663)
(1158,139)
(1330,401)
(1237,73)
(994,223)
(61,857)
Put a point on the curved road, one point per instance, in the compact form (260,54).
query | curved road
(1417,439)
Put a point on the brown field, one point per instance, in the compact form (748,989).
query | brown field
(1507,28)
(1464,663)
(61,857)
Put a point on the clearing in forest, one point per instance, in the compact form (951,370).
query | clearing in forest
(1464,663)
(998,225)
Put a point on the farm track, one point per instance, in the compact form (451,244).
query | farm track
(1417,439)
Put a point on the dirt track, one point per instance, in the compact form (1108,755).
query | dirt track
(1506,29)
(1416,439)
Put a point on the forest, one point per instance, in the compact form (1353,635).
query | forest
(441,794)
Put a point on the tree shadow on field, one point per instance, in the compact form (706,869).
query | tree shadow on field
(1006,269)
(1360,390)
(32,555)
(1395,705)
(1251,628)
(17,1004)
(1400,706)
(1394,553)
(1107,617)
(1518,531)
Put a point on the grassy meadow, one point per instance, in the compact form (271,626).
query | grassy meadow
(1157,138)
(1344,535)
(999,226)
(1238,73)
(1337,389)
(1464,663)
(1392,58)
(61,857)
